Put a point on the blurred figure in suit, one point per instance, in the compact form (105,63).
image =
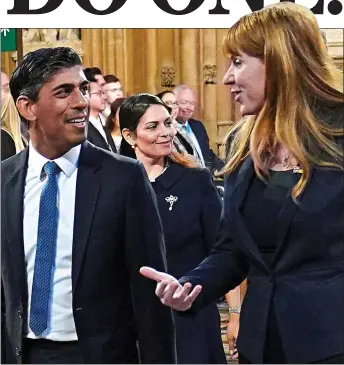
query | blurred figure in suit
(187,103)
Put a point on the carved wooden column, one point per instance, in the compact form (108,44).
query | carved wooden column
(189,51)
(151,61)
(109,51)
(209,81)
(176,50)
(166,59)
(118,54)
(128,60)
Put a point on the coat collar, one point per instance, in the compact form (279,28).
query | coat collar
(172,174)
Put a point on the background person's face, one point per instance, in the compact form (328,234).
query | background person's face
(187,104)
(58,118)
(154,133)
(113,91)
(97,98)
(101,83)
(171,101)
(246,76)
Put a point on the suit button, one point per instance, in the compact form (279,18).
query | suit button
(17,351)
(20,314)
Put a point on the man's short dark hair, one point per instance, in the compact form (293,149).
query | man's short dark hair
(110,78)
(38,67)
(91,73)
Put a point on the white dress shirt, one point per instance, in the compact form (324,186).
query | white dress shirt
(61,326)
(97,122)
(195,142)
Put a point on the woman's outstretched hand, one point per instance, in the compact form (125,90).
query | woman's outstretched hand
(170,291)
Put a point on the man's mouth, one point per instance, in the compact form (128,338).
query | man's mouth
(78,122)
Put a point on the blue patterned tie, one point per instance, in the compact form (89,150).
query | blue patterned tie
(45,252)
(188,128)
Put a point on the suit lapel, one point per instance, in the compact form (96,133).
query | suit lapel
(14,212)
(87,190)
(95,137)
(110,141)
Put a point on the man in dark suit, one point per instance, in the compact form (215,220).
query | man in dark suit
(96,132)
(80,221)
(195,129)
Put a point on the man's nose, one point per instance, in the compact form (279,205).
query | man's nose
(81,101)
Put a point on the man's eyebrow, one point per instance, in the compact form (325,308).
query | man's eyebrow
(69,85)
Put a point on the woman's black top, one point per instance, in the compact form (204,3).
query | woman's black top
(261,224)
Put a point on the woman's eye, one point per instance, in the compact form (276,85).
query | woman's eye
(169,123)
(237,62)
(152,126)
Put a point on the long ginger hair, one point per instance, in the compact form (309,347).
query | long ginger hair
(301,81)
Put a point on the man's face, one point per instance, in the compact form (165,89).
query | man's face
(102,84)
(113,91)
(4,86)
(100,80)
(58,118)
(97,98)
(187,104)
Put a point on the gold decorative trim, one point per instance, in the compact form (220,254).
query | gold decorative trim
(209,74)
(167,76)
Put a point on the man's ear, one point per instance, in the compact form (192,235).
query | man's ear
(26,108)
(128,136)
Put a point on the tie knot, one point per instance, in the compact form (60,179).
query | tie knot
(51,168)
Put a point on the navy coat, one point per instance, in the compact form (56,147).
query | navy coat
(212,161)
(190,209)
(306,281)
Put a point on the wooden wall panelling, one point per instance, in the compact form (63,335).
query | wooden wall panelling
(152,61)
(166,60)
(189,51)
(208,83)
(176,53)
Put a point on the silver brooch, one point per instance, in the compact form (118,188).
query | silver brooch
(171,199)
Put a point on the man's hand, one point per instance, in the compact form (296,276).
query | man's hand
(170,291)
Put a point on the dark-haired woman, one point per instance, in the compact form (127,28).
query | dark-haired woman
(112,123)
(189,207)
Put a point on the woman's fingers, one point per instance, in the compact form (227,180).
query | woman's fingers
(153,274)
(170,291)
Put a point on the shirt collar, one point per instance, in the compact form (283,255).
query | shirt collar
(95,120)
(67,163)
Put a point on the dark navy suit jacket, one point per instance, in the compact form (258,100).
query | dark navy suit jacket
(94,136)
(212,161)
(306,281)
(117,229)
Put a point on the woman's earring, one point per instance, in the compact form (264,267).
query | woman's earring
(133,146)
